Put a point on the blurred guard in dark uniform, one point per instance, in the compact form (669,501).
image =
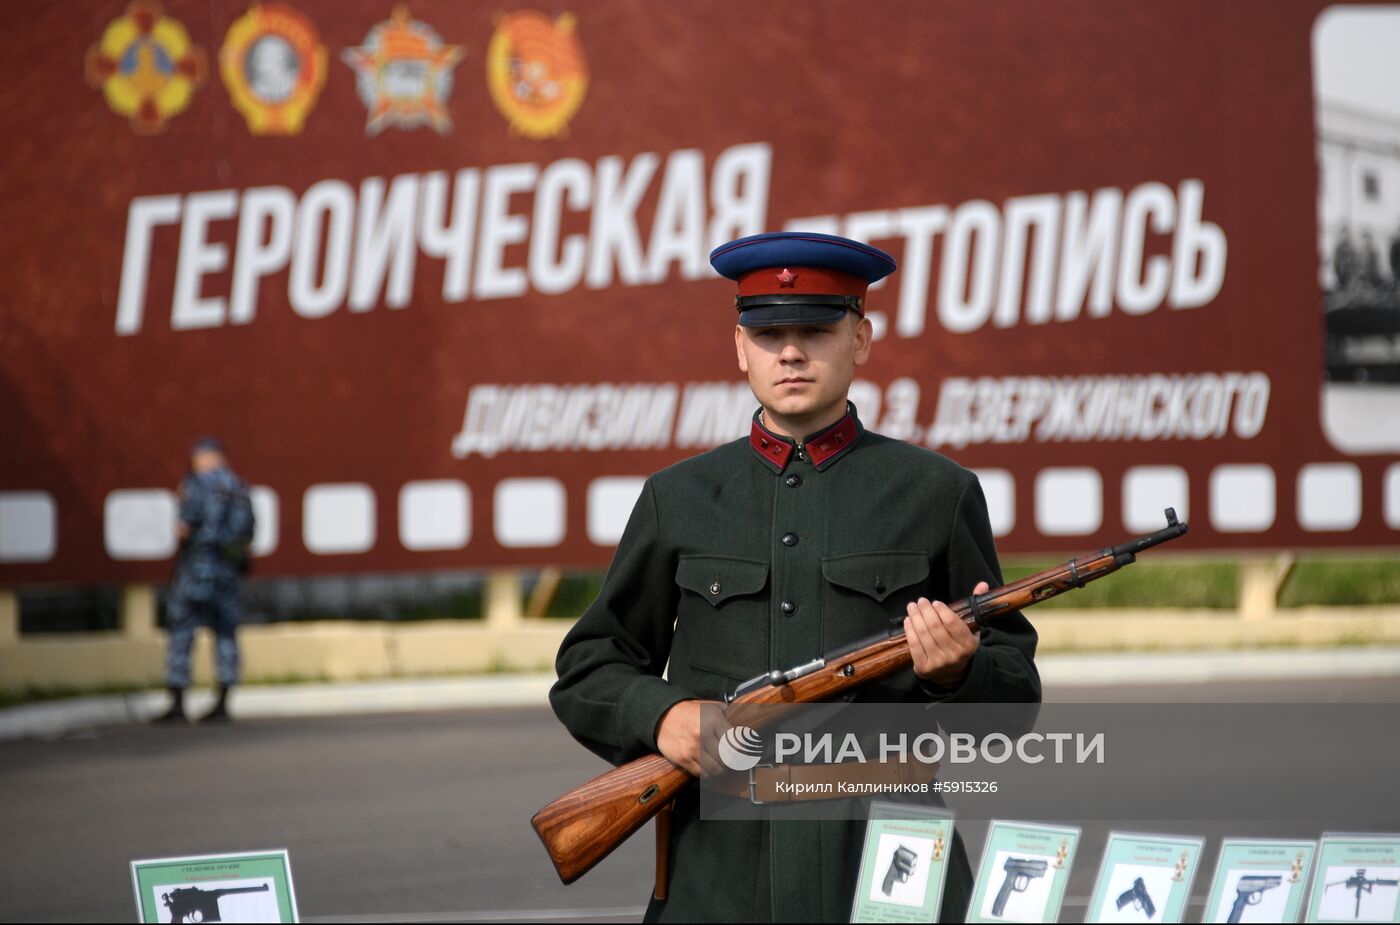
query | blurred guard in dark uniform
(216,528)
(764,553)
(1395,260)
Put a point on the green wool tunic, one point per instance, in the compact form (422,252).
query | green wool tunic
(753,557)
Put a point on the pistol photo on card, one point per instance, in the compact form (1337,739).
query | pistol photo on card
(901,869)
(1019,887)
(901,866)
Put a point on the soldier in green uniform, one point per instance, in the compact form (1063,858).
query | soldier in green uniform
(766,552)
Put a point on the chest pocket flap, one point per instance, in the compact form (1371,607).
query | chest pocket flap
(876,574)
(718,578)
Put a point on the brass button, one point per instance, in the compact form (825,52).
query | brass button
(789,539)
(789,608)
(793,480)
(714,588)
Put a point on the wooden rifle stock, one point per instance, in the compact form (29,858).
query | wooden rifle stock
(583,826)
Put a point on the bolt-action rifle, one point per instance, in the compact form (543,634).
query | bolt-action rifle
(1362,884)
(583,826)
(191,904)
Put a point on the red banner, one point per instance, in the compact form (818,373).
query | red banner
(437,275)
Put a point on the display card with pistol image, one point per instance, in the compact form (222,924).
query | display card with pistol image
(1260,880)
(1025,869)
(903,864)
(1357,880)
(252,887)
(1145,878)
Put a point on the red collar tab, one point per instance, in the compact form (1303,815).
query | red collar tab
(823,447)
(832,442)
(775,451)
(801,281)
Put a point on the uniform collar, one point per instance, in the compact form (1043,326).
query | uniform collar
(823,448)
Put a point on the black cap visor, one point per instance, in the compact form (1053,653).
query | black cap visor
(771,311)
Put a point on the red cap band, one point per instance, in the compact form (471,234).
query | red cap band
(801,281)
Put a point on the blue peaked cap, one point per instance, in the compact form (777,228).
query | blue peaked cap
(799,277)
(779,249)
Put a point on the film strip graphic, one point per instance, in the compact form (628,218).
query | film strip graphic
(339,519)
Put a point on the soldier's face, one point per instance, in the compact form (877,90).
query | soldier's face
(803,371)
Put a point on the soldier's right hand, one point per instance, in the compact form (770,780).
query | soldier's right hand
(689,735)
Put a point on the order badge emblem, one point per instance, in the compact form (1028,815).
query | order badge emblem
(146,67)
(403,73)
(536,72)
(274,66)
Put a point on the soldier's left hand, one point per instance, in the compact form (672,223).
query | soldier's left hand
(940,643)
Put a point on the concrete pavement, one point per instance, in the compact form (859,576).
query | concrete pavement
(424,816)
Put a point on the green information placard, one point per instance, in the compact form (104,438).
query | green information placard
(904,863)
(1260,880)
(1358,879)
(1145,878)
(1024,871)
(250,887)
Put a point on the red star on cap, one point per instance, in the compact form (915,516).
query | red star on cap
(787,278)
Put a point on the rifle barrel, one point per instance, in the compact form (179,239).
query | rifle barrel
(974,610)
